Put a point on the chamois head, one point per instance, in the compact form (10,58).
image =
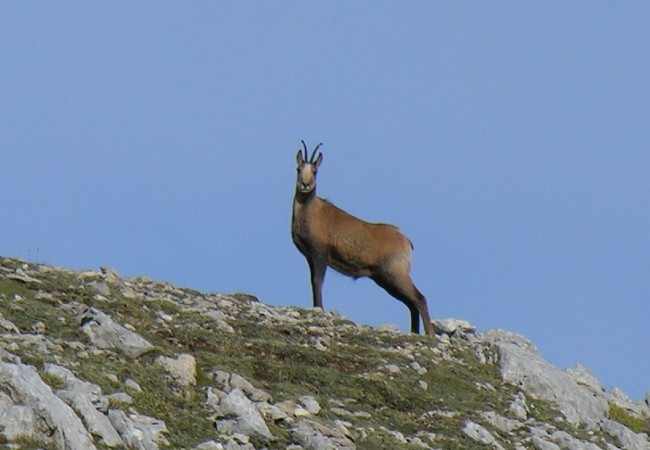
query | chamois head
(307,169)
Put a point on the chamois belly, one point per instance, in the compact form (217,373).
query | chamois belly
(352,261)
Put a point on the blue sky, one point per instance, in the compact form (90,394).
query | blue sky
(508,140)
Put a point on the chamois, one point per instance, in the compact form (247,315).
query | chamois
(328,236)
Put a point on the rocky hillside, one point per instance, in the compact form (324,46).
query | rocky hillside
(92,360)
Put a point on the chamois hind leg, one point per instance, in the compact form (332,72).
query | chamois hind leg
(397,282)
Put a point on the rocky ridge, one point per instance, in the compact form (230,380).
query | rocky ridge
(92,360)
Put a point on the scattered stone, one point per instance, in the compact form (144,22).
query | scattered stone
(112,378)
(8,326)
(440,413)
(45,297)
(418,368)
(392,368)
(128,293)
(110,275)
(518,408)
(300,412)
(106,334)
(101,288)
(485,386)
(228,381)
(247,418)
(38,328)
(181,369)
(502,423)
(219,320)
(565,441)
(21,276)
(138,431)
(288,407)
(341,412)
(130,384)
(209,445)
(120,397)
(629,439)
(541,444)
(398,436)
(314,436)
(480,434)
(388,328)
(310,404)
(273,412)
(451,326)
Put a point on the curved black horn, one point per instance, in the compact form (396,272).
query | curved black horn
(311,160)
(306,151)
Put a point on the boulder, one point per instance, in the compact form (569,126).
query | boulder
(138,431)
(451,326)
(87,400)
(181,369)
(56,422)
(522,365)
(314,436)
(248,419)
(104,333)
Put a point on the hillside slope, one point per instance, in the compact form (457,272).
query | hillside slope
(91,360)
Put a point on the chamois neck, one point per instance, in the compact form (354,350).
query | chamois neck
(302,197)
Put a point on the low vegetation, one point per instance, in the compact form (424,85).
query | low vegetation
(357,374)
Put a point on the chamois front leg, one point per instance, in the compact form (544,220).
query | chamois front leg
(317,269)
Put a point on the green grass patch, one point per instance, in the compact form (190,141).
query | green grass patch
(634,423)
(279,358)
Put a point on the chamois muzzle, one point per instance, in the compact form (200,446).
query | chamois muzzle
(307,169)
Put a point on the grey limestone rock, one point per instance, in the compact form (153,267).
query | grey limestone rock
(565,441)
(104,333)
(228,381)
(26,388)
(182,369)
(583,376)
(133,385)
(518,409)
(16,420)
(209,445)
(138,431)
(480,434)
(87,400)
(629,439)
(310,404)
(248,419)
(314,436)
(522,365)
(8,326)
(542,444)
(451,326)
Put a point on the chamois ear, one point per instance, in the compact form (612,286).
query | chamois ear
(299,158)
(318,160)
